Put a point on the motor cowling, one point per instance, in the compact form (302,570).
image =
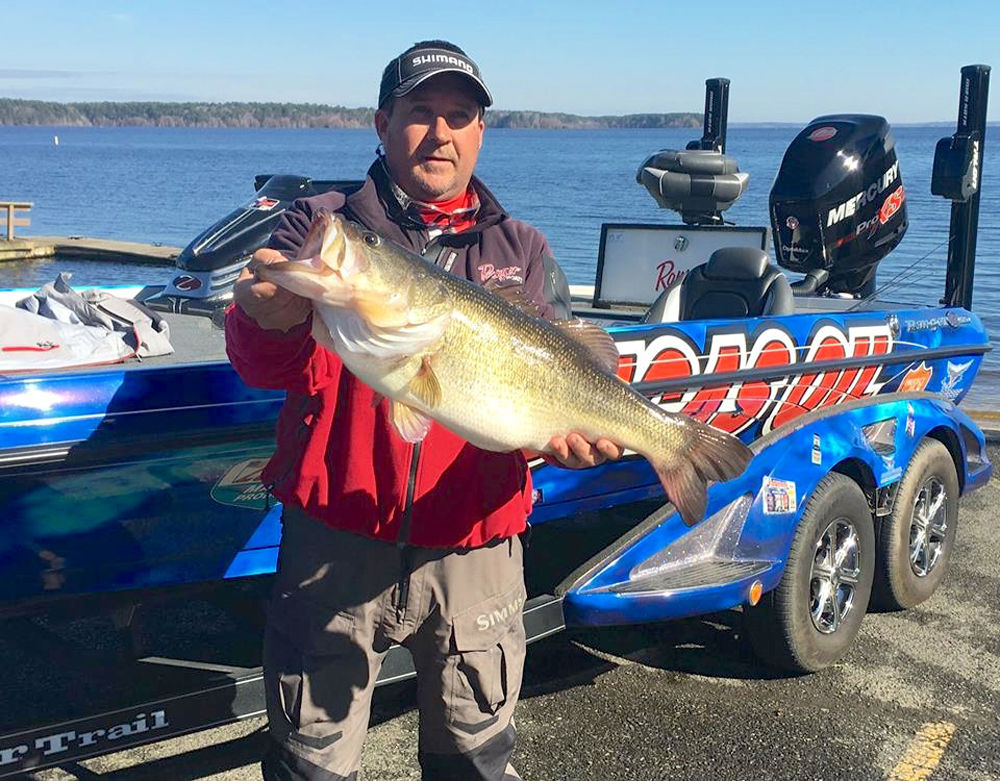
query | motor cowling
(838,205)
(210,265)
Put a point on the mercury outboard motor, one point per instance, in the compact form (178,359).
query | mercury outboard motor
(210,264)
(838,205)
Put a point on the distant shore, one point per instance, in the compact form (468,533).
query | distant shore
(17,112)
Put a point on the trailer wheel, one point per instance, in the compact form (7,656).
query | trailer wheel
(812,617)
(915,544)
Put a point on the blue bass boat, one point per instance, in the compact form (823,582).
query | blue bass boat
(118,481)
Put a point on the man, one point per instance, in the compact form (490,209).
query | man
(386,542)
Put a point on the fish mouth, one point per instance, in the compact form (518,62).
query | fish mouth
(334,250)
(324,274)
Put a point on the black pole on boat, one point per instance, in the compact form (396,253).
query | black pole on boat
(957,176)
(716,116)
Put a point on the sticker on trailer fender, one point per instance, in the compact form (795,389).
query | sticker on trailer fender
(241,486)
(892,472)
(817,454)
(910,422)
(779,496)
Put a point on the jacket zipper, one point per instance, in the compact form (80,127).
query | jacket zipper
(403,539)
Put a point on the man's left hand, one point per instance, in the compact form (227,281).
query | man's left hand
(575,451)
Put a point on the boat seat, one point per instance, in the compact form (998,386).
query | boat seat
(699,184)
(735,282)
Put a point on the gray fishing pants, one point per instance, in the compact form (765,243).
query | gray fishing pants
(341,600)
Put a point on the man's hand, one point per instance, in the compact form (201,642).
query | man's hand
(270,306)
(575,451)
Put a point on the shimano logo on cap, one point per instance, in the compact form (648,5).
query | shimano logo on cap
(416,65)
(440,59)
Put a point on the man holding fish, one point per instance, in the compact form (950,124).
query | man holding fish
(413,396)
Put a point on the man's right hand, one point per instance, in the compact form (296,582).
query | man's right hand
(270,306)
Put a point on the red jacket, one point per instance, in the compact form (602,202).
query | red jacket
(338,455)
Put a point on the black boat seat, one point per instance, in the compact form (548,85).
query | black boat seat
(696,183)
(735,282)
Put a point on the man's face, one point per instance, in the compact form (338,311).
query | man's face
(432,137)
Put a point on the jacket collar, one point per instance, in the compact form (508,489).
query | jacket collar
(376,206)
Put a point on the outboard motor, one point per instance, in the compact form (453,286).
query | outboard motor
(210,264)
(838,205)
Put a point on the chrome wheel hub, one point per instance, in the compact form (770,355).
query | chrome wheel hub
(928,527)
(833,580)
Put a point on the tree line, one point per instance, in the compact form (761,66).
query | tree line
(298,115)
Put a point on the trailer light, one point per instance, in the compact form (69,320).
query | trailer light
(881,436)
(715,539)
(756,592)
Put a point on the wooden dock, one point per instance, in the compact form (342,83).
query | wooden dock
(31,247)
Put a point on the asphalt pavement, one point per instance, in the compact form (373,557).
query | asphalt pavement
(917,697)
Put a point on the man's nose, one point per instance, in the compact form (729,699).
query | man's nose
(440,130)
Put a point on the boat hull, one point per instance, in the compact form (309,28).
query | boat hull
(148,477)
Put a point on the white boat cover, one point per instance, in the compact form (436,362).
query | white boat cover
(58,327)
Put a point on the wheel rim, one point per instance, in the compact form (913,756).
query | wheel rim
(835,574)
(928,527)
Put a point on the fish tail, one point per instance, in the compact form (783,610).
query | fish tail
(709,454)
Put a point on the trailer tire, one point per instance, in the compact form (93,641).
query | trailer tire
(917,538)
(810,620)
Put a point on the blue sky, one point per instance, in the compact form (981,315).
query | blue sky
(788,61)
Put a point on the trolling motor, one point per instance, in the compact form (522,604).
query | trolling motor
(210,264)
(700,182)
(957,175)
(838,205)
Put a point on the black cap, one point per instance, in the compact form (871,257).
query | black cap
(414,66)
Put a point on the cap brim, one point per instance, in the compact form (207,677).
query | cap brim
(407,86)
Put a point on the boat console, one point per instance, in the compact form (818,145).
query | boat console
(209,265)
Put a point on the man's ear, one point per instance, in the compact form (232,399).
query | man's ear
(381,125)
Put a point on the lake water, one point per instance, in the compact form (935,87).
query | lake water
(167,184)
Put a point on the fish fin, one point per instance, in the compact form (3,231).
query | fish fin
(710,454)
(321,333)
(515,296)
(425,385)
(412,424)
(594,338)
(685,489)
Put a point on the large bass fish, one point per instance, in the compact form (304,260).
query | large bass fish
(440,347)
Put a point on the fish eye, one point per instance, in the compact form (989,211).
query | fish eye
(372,240)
